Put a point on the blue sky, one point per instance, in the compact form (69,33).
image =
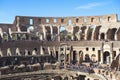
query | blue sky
(10,8)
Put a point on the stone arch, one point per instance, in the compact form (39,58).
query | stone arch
(111,33)
(74,56)
(5,36)
(96,33)
(106,57)
(89,32)
(102,36)
(63,33)
(87,58)
(83,32)
(55,33)
(75,32)
(48,33)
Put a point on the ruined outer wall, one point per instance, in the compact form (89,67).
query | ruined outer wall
(95,20)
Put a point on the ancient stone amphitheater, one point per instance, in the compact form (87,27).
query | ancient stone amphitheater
(60,48)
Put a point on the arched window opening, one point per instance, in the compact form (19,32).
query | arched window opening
(63,33)
(85,20)
(69,22)
(77,20)
(102,36)
(87,49)
(39,20)
(62,20)
(55,20)
(74,57)
(93,49)
(47,20)
(31,21)
(87,58)
(92,19)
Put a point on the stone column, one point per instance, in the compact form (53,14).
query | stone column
(58,33)
(59,52)
(86,32)
(101,53)
(115,36)
(65,57)
(99,36)
(49,50)
(72,33)
(1,54)
(41,51)
(17,25)
(101,56)
(111,53)
(44,31)
(1,32)
(105,36)
(93,34)
(69,60)
(78,57)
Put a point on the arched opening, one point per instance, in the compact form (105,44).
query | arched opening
(5,36)
(102,36)
(48,33)
(55,33)
(111,34)
(57,55)
(75,32)
(77,20)
(69,22)
(87,58)
(106,57)
(29,53)
(96,33)
(92,19)
(63,33)
(74,57)
(83,32)
(90,30)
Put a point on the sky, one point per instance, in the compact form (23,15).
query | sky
(56,8)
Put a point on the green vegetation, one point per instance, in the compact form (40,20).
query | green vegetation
(14,37)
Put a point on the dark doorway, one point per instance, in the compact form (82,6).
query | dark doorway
(102,36)
(106,58)
(87,58)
